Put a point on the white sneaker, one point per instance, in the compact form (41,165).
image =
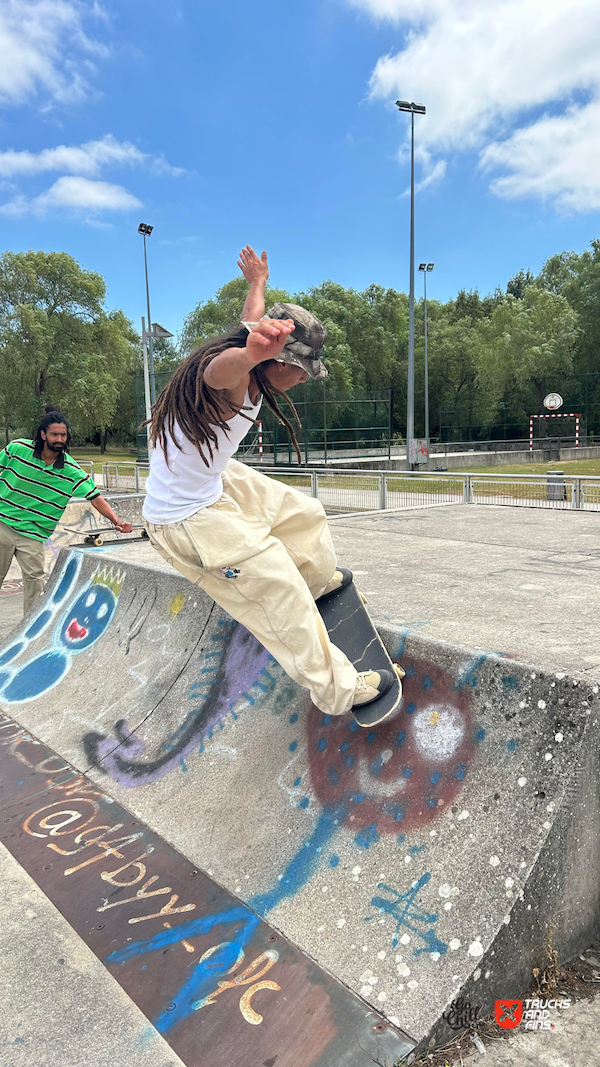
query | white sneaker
(370,685)
(339,580)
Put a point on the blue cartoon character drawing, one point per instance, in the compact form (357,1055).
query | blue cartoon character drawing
(84,621)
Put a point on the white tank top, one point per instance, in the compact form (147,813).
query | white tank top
(177,490)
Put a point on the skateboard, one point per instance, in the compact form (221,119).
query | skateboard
(350,628)
(94,537)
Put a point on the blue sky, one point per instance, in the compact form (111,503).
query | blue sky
(274,124)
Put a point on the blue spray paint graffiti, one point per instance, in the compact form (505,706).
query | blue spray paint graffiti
(204,977)
(407,914)
(84,621)
(205,974)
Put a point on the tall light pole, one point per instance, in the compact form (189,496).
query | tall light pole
(145,231)
(426,268)
(413,109)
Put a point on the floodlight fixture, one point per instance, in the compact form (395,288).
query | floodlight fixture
(422,266)
(145,229)
(430,266)
(416,109)
(159,331)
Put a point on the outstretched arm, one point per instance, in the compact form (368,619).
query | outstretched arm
(264,342)
(256,271)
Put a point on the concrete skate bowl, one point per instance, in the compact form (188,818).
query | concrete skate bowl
(80,518)
(415,863)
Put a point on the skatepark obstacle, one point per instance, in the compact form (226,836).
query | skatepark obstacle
(357,882)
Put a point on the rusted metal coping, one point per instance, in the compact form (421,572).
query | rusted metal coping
(223,987)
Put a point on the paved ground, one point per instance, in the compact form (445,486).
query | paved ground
(518,581)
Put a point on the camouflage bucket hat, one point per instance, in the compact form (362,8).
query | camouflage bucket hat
(304,345)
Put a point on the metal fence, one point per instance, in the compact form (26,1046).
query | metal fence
(357,491)
(125,477)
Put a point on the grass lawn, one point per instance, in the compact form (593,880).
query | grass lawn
(112,455)
(569,466)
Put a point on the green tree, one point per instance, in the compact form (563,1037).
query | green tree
(530,343)
(519,282)
(217,316)
(58,343)
(455,359)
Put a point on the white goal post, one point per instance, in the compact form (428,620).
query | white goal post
(554,416)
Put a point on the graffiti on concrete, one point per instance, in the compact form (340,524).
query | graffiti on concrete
(401,775)
(84,620)
(234,673)
(409,916)
(386,779)
(74,823)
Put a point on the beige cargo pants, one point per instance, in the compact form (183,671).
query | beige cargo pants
(264,553)
(30,557)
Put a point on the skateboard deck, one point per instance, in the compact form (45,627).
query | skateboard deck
(95,537)
(350,628)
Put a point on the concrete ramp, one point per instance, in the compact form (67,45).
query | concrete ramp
(80,516)
(400,868)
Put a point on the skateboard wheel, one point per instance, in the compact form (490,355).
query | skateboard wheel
(144,535)
(98,541)
(88,539)
(399,671)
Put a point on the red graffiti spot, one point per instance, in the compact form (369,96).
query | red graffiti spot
(75,632)
(403,773)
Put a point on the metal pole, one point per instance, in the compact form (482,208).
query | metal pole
(146,375)
(150,352)
(410,392)
(426,369)
(324,423)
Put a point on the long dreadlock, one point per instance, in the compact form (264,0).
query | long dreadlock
(198,409)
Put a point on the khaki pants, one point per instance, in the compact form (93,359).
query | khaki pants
(30,557)
(263,552)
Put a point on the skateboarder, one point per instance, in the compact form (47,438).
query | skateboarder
(37,480)
(259,548)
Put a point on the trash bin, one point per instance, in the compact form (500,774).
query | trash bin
(555,486)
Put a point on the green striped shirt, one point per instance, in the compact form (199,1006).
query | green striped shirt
(33,495)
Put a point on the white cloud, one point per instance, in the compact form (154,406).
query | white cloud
(434,172)
(556,158)
(75,189)
(87,159)
(74,193)
(485,71)
(46,51)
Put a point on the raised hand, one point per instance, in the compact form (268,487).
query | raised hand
(267,339)
(253,267)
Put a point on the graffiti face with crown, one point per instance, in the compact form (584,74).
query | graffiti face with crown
(85,620)
(88,617)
